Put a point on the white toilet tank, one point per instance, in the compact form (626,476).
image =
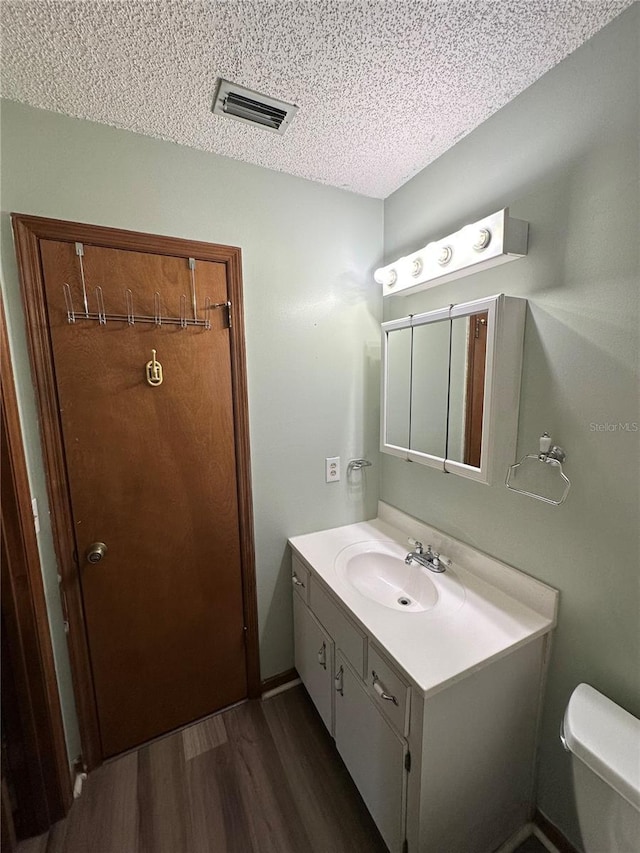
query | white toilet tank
(604,741)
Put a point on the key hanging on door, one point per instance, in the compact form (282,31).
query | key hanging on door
(154,371)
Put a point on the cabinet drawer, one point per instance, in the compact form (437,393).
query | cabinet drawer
(390,690)
(346,635)
(300,578)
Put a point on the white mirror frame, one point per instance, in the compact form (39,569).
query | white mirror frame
(503,367)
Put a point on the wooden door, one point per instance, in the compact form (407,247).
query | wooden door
(151,472)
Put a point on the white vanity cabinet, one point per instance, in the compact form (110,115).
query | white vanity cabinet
(448,767)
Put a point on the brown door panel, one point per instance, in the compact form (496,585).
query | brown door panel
(152,473)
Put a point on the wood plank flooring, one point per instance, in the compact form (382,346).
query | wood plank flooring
(263,777)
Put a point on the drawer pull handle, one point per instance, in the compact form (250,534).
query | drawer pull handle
(296,580)
(377,686)
(322,655)
(338,681)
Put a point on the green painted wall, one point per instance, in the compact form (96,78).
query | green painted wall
(312,322)
(564,156)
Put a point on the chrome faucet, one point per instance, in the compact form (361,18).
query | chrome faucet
(429,558)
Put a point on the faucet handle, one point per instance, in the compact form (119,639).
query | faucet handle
(415,544)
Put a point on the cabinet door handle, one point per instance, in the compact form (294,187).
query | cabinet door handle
(377,686)
(296,580)
(322,655)
(338,681)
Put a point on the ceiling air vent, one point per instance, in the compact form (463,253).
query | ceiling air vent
(253,108)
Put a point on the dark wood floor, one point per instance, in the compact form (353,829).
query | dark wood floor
(263,777)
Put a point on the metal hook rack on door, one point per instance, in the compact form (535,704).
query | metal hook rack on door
(131,318)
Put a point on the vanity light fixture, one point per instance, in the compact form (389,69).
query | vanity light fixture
(494,240)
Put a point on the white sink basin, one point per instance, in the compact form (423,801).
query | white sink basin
(377,570)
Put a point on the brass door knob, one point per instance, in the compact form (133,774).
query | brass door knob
(96,551)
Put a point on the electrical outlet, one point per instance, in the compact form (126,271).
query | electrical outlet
(332,469)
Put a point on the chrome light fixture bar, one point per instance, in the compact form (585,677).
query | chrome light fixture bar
(486,243)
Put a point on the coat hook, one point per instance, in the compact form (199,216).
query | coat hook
(71,314)
(102,315)
(131,319)
(154,370)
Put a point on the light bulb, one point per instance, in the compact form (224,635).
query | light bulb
(385,276)
(483,238)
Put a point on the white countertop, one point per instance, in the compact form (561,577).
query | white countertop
(502,608)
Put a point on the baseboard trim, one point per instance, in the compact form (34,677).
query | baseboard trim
(279,682)
(513,842)
(548,834)
(80,779)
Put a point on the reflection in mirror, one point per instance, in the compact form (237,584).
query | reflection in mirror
(398,382)
(466,403)
(429,388)
(458,390)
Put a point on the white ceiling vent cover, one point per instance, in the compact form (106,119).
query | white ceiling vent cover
(253,108)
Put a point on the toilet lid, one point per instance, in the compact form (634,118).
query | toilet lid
(606,738)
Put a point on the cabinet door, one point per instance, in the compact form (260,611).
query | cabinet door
(314,659)
(373,752)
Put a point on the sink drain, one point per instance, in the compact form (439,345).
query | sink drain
(404,601)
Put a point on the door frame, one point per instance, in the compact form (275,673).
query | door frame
(28,231)
(44,792)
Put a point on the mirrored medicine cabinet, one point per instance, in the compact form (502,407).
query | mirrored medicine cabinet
(451,386)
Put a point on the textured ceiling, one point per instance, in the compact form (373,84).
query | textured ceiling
(383,87)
